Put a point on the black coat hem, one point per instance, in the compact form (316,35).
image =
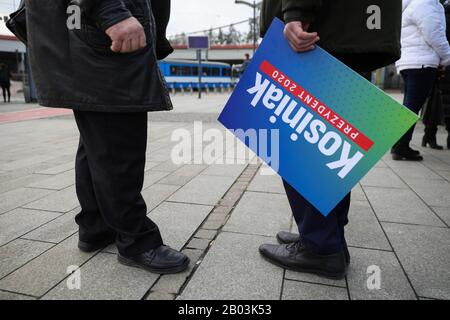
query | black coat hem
(106,108)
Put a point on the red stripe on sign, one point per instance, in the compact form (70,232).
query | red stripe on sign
(317,106)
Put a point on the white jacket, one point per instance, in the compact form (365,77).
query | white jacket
(424,41)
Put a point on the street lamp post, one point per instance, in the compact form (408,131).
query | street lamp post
(254,6)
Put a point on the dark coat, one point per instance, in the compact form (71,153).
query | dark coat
(76,69)
(342,28)
(444,82)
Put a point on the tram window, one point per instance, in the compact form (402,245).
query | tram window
(206,71)
(215,72)
(195,71)
(226,72)
(186,71)
(173,70)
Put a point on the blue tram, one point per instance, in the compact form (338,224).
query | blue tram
(183,74)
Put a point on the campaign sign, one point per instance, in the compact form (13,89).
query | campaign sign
(328,124)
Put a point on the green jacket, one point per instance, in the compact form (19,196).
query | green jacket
(343,29)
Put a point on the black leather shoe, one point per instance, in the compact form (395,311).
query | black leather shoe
(431,141)
(404,152)
(284,237)
(94,246)
(162,260)
(297,258)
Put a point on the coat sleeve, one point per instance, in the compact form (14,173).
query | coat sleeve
(105,12)
(161,12)
(431,23)
(300,10)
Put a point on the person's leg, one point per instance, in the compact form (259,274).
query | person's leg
(9,93)
(418,85)
(115,146)
(92,226)
(4,93)
(447,127)
(320,234)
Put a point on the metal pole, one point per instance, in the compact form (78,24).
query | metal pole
(199,57)
(254,27)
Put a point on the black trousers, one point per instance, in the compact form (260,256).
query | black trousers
(109,171)
(320,234)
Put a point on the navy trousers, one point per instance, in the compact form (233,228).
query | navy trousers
(418,86)
(320,234)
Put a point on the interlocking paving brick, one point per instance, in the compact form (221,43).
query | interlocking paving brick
(43,273)
(260,213)
(183,175)
(56,182)
(18,197)
(404,206)
(363,229)
(57,230)
(423,252)
(155,295)
(393,286)
(59,201)
(206,234)
(18,252)
(383,177)
(20,221)
(203,190)
(196,243)
(104,278)
(294,290)
(224,273)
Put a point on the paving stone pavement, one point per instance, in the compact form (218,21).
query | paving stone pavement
(218,214)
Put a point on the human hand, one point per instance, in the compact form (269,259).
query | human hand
(127,36)
(298,37)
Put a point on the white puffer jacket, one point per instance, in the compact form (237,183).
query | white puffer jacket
(424,41)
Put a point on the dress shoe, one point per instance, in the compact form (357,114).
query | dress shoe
(404,152)
(94,246)
(162,260)
(298,258)
(284,237)
(431,141)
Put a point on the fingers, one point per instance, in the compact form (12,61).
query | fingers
(116,46)
(300,40)
(127,36)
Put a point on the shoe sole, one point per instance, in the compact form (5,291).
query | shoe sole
(328,275)
(399,158)
(173,270)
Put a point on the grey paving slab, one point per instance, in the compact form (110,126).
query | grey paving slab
(19,182)
(167,166)
(58,168)
(227,170)
(18,197)
(364,229)
(150,165)
(423,252)
(266,183)
(59,201)
(151,177)
(260,213)
(394,284)
(415,171)
(383,177)
(46,271)
(435,193)
(178,221)
(294,290)
(404,206)
(13,296)
(103,278)
(18,252)
(311,278)
(157,193)
(358,193)
(57,230)
(57,182)
(224,272)
(443,213)
(20,221)
(203,190)
(183,175)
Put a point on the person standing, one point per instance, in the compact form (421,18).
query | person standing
(435,110)
(106,70)
(5,82)
(340,28)
(424,49)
